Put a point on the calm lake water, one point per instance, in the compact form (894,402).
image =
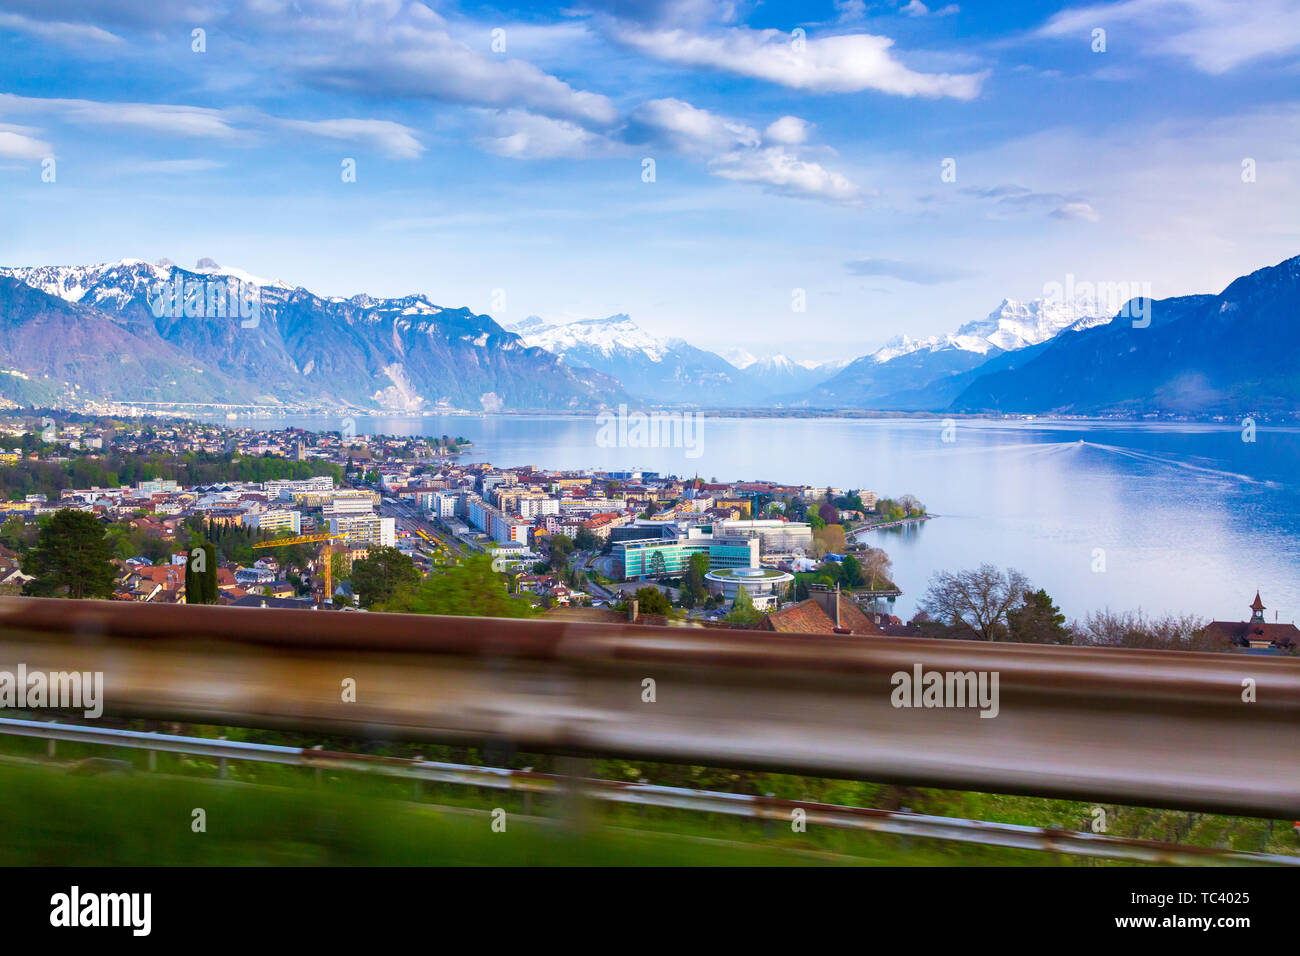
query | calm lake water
(1188,518)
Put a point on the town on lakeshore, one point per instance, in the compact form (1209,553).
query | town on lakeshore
(190,512)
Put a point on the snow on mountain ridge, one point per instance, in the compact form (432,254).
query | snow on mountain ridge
(1012,325)
(608,337)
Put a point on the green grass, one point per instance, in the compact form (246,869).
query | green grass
(272,814)
(53,817)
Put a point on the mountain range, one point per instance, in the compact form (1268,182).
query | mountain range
(71,335)
(96,332)
(669,371)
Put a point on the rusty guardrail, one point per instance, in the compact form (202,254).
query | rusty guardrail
(1143,728)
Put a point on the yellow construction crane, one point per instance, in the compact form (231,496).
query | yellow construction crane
(326,541)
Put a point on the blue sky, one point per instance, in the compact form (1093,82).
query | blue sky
(796,146)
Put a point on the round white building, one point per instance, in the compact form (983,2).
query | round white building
(766,586)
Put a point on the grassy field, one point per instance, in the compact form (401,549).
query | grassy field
(55,812)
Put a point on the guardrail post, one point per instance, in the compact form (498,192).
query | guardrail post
(221,765)
(153,756)
(575,813)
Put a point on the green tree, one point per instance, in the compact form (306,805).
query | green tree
(201,573)
(851,572)
(657,564)
(72,555)
(15,534)
(586,540)
(561,546)
(382,575)
(652,601)
(743,610)
(468,589)
(694,589)
(1038,621)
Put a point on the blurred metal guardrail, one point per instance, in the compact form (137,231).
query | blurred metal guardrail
(900,823)
(1194,731)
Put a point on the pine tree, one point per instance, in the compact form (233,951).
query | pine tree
(201,574)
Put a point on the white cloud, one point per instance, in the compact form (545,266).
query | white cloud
(17,142)
(690,129)
(1214,35)
(1076,210)
(57,31)
(783,172)
(233,125)
(848,63)
(392,139)
(736,151)
(788,131)
(192,121)
(522,135)
(411,53)
(918,9)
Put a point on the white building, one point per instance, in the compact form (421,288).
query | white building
(285,488)
(276,519)
(766,587)
(366,529)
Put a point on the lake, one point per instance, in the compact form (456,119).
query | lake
(1183,518)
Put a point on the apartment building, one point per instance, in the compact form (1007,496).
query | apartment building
(273,520)
(367,529)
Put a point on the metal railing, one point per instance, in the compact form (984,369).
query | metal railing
(900,823)
(1195,731)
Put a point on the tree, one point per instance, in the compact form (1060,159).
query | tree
(652,601)
(201,573)
(468,589)
(979,599)
(829,513)
(1038,621)
(657,564)
(743,610)
(383,574)
(15,534)
(851,572)
(694,588)
(586,540)
(828,540)
(72,554)
(561,547)
(877,567)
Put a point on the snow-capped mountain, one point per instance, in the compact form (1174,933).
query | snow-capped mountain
(294,347)
(653,369)
(671,370)
(778,375)
(609,338)
(1229,354)
(927,373)
(1012,325)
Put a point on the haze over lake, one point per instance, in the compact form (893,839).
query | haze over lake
(1190,518)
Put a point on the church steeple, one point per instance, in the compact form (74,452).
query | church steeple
(1257,609)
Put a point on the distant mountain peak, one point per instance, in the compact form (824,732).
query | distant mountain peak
(1012,325)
